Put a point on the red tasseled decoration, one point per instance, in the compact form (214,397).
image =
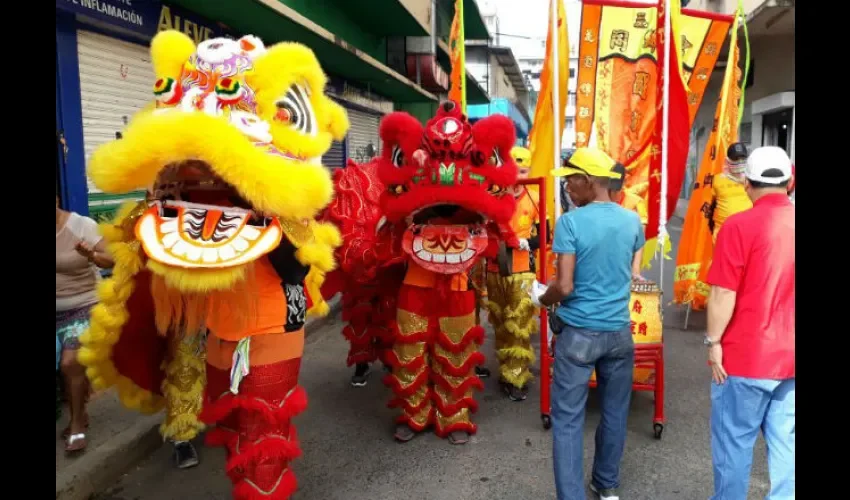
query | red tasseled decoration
(403,392)
(414,365)
(217,436)
(405,419)
(475,359)
(268,447)
(469,427)
(215,411)
(407,407)
(475,334)
(449,409)
(471,382)
(286,486)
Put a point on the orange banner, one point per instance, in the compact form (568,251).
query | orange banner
(696,246)
(619,89)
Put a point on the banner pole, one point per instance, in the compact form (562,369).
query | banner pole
(665,133)
(556,103)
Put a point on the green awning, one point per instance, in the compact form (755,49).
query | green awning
(473,23)
(274,22)
(382,17)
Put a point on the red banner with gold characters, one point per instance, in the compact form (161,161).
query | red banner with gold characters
(619,91)
(695,245)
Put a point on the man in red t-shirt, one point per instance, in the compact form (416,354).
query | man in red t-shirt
(751,333)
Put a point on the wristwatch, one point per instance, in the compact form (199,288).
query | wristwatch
(708,342)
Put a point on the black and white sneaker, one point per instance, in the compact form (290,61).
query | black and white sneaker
(361,374)
(605,493)
(515,393)
(185,455)
(482,372)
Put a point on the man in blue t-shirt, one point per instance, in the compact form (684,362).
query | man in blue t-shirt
(598,247)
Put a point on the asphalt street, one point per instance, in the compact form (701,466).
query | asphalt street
(349,453)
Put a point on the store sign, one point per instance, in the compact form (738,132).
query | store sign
(138,16)
(146,17)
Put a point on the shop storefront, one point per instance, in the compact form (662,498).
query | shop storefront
(104,76)
(365,111)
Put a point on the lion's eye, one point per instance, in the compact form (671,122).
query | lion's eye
(295,110)
(495,160)
(398,157)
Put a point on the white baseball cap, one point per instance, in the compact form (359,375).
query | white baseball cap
(766,158)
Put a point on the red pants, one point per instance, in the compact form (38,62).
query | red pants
(254,426)
(433,359)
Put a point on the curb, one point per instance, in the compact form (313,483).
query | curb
(99,468)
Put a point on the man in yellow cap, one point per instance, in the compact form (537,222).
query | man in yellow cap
(513,316)
(596,245)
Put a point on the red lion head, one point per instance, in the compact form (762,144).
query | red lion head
(449,182)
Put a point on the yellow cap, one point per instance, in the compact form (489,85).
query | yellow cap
(588,161)
(521,156)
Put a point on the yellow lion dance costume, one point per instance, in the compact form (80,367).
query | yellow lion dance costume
(513,316)
(225,243)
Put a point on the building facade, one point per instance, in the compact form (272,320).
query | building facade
(769,117)
(104,74)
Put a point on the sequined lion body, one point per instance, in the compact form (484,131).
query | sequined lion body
(211,269)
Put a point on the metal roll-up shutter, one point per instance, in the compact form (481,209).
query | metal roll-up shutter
(335,157)
(116,81)
(363,133)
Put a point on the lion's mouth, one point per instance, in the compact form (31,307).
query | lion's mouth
(195,219)
(446,238)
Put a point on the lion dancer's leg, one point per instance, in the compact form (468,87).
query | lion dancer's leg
(408,360)
(358,306)
(254,424)
(455,356)
(519,323)
(183,388)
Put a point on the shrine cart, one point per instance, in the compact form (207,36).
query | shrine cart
(646,325)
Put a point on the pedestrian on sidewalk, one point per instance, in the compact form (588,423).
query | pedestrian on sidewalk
(597,245)
(751,333)
(80,251)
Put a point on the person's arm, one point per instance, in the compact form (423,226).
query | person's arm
(563,284)
(564,245)
(724,276)
(95,253)
(640,241)
(721,305)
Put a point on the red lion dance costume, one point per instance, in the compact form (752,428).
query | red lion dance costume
(368,275)
(448,197)
(226,242)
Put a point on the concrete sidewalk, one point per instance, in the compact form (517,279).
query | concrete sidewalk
(118,439)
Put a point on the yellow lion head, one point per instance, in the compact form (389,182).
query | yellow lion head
(230,154)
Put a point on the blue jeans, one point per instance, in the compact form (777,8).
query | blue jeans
(739,408)
(577,352)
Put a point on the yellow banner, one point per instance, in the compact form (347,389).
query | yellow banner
(543,144)
(457,51)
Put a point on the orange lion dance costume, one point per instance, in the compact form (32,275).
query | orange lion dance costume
(449,195)
(226,242)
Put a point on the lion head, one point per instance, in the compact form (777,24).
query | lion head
(229,154)
(447,181)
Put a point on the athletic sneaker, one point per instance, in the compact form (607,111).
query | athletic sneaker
(605,493)
(361,374)
(482,372)
(515,393)
(185,455)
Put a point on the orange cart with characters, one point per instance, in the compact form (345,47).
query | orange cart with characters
(646,325)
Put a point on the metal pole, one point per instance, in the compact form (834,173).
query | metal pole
(556,102)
